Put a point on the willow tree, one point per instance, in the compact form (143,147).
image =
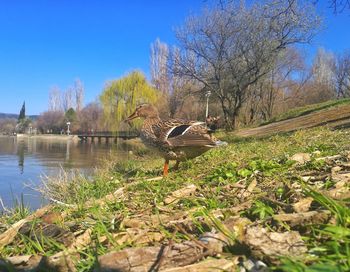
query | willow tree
(120,97)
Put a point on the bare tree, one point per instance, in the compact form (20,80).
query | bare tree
(173,87)
(68,99)
(323,68)
(90,117)
(342,75)
(51,122)
(78,94)
(7,125)
(230,48)
(322,85)
(279,80)
(159,70)
(338,6)
(55,102)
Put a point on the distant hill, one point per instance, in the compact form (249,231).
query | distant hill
(12,115)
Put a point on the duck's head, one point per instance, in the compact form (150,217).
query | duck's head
(143,111)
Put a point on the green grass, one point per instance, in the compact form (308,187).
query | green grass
(215,174)
(300,111)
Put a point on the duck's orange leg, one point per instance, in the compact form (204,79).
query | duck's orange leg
(166,168)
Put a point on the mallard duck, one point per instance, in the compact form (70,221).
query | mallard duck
(175,139)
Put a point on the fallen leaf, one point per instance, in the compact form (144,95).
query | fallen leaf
(179,194)
(301,158)
(303,205)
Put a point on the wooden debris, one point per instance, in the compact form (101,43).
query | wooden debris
(155,179)
(135,236)
(341,176)
(303,205)
(341,190)
(176,196)
(144,259)
(329,158)
(24,263)
(60,262)
(271,244)
(81,241)
(311,217)
(246,192)
(206,266)
(147,258)
(8,236)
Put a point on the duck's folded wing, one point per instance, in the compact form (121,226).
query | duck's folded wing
(189,135)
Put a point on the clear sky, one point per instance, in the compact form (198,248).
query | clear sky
(51,42)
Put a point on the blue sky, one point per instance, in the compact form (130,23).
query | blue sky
(48,43)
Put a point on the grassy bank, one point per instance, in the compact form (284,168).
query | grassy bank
(251,183)
(301,111)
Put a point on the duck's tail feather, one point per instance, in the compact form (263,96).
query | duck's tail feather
(218,143)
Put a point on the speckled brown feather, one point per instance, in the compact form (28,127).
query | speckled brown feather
(190,140)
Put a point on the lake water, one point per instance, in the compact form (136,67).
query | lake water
(23,160)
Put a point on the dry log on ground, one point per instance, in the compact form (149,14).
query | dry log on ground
(146,259)
(20,263)
(206,266)
(265,244)
(8,236)
(156,257)
(311,217)
(59,262)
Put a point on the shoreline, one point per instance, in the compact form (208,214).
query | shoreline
(44,136)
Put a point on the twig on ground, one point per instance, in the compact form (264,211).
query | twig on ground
(164,253)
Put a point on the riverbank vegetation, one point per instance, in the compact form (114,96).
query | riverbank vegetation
(290,192)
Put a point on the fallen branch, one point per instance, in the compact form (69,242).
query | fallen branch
(206,265)
(145,259)
(8,236)
(311,217)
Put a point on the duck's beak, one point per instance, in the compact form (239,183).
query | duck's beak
(131,117)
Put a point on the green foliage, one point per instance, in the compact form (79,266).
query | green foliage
(225,173)
(23,124)
(70,115)
(230,173)
(261,210)
(22,113)
(268,167)
(120,97)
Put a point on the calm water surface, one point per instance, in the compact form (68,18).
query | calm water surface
(24,160)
